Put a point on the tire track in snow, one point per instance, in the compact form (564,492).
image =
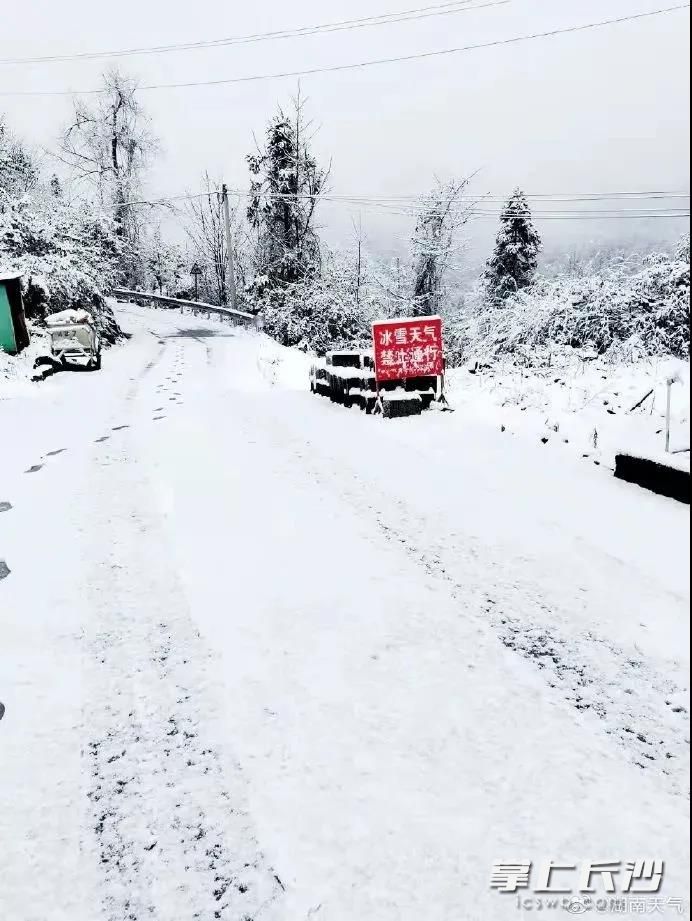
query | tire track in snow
(644,711)
(169,827)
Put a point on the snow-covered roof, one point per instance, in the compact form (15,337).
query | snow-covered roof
(10,276)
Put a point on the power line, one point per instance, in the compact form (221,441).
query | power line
(421,201)
(558,197)
(372,63)
(462,204)
(479,207)
(598,217)
(443,9)
(477,214)
(474,210)
(555,214)
(168,199)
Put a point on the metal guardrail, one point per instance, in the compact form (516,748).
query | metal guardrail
(197,308)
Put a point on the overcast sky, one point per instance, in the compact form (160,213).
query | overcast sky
(605,110)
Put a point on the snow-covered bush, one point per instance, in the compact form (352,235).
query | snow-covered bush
(68,252)
(331,310)
(68,256)
(616,313)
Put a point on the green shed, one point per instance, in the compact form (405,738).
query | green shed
(14,335)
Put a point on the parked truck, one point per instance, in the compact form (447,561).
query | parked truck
(74,339)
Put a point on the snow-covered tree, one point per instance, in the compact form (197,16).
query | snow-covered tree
(284,193)
(18,171)
(392,285)
(206,233)
(512,266)
(107,146)
(68,255)
(68,251)
(332,309)
(165,263)
(617,312)
(682,250)
(441,215)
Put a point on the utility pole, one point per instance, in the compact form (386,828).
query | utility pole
(230,270)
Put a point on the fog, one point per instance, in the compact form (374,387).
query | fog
(592,111)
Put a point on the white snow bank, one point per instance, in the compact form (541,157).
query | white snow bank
(586,406)
(288,369)
(679,461)
(16,370)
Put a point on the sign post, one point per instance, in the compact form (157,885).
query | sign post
(196,271)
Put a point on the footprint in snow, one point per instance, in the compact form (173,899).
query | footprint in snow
(102,438)
(119,428)
(156,418)
(34,468)
(56,452)
(4,570)
(5,506)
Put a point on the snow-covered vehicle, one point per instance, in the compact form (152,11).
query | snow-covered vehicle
(348,377)
(74,338)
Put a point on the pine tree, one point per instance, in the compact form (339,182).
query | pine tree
(286,186)
(514,261)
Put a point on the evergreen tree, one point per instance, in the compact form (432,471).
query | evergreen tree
(18,171)
(514,261)
(285,189)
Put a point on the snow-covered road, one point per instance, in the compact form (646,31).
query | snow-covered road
(265,658)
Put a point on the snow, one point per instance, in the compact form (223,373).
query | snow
(582,408)
(255,641)
(428,318)
(347,373)
(16,370)
(69,317)
(679,461)
(400,394)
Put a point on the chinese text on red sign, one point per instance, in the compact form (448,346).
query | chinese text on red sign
(408,348)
